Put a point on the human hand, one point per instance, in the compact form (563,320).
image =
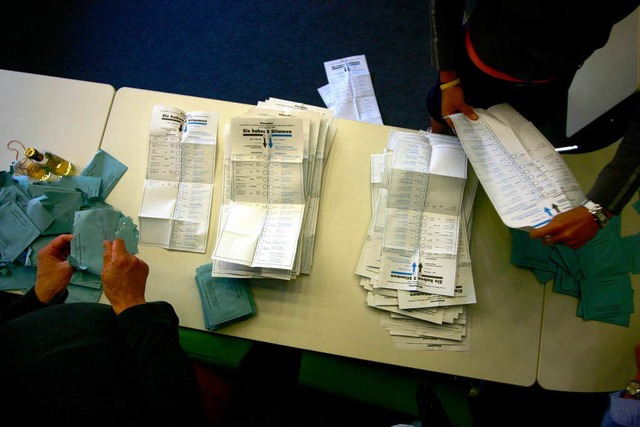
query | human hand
(572,228)
(453,102)
(53,272)
(124,276)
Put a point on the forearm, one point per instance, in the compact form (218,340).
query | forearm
(620,178)
(27,303)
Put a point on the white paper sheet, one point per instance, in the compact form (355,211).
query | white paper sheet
(176,202)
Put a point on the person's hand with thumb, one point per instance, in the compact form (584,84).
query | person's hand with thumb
(124,276)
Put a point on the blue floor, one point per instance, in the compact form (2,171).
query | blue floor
(240,51)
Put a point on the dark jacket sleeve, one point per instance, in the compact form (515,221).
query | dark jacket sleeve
(446,32)
(173,395)
(27,303)
(620,178)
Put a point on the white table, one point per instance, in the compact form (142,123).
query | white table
(60,115)
(326,310)
(588,356)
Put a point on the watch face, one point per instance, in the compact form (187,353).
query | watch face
(633,388)
(602,217)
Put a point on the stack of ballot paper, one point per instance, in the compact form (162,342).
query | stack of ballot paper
(34,213)
(274,157)
(597,274)
(415,263)
(349,93)
(224,301)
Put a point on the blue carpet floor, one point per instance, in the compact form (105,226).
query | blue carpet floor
(240,51)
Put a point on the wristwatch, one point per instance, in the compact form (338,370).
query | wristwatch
(633,389)
(598,212)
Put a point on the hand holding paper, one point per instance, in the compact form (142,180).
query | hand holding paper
(124,276)
(54,272)
(91,228)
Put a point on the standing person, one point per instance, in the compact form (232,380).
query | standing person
(525,53)
(82,364)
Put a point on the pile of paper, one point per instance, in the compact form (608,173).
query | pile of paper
(34,213)
(274,157)
(224,301)
(415,263)
(598,274)
(349,93)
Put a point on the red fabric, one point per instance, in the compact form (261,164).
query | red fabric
(216,394)
(473,55)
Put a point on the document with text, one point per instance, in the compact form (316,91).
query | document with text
(415,263)
(349,92)
(178,189)
(526,179)
(265,217)
(318,132)
(420,239)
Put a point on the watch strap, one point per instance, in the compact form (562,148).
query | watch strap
(598,212)
(633,389)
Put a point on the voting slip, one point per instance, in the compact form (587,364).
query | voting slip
(598,273)
(349,93)
(108,169)
(264,221)
(178,189)
(225,301)
(274,156)
(91,228)
(526,179)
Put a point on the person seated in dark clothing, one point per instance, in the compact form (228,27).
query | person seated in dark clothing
(80,364)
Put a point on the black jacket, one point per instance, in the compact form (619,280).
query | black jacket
(80,364)
(529,40)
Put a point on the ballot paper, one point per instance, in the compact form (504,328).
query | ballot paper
(106,167)
(178,189)
(527,181)
(415,263)
(28,211)
(420,239)
(33,213)
(91,228)
(265,217)
(225,301)
(349,93)
(598,273)
(318,132)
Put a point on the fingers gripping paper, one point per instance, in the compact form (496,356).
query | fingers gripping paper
(526,179)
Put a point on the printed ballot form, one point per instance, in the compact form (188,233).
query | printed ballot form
(526,179)
(267,193)
(423,207)
(349,93)
(415,263)
(176,203)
